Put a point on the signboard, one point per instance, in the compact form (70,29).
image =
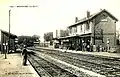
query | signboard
(104,20)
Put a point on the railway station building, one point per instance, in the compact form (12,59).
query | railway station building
(4,41)
(98,29)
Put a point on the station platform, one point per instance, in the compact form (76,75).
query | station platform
(108,54)
(12,66)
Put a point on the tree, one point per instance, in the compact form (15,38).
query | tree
(48,37)
(36,38)
(28,40)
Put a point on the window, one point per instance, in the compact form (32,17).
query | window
(104,20)
(70,30)
(75,29)
(81,28)
(87,26)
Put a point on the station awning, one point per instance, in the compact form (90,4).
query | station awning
(82,36)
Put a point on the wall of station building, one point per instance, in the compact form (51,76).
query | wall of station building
(108,25)
(4,39)
(101,23)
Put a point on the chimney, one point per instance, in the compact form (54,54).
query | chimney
(88,14)
(76,19)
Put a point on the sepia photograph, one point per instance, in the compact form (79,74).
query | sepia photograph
(59,38)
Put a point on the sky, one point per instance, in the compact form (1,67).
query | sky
(50,15)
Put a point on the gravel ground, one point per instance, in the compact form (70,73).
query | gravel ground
(108,66)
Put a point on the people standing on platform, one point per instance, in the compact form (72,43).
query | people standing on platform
(94,48)
(108,47)
(84,46)
(91,47)
(98,48)
(88,48)
(108,44)
(24,53)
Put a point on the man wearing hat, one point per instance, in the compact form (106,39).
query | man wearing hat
(24,53)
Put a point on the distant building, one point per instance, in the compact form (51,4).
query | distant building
(4,41)
(62,33)
(48,38)
(96,29)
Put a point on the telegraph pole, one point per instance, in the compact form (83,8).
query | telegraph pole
(9,32)
(8,39)
(31,6)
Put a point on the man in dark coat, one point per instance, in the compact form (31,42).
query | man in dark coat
(24,53)
(98,48)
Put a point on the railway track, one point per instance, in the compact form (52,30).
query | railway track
(48,69)
(107,66)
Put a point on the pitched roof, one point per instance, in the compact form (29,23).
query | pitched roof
(93,16)
(7,33)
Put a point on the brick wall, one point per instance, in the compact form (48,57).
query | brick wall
(108,25)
